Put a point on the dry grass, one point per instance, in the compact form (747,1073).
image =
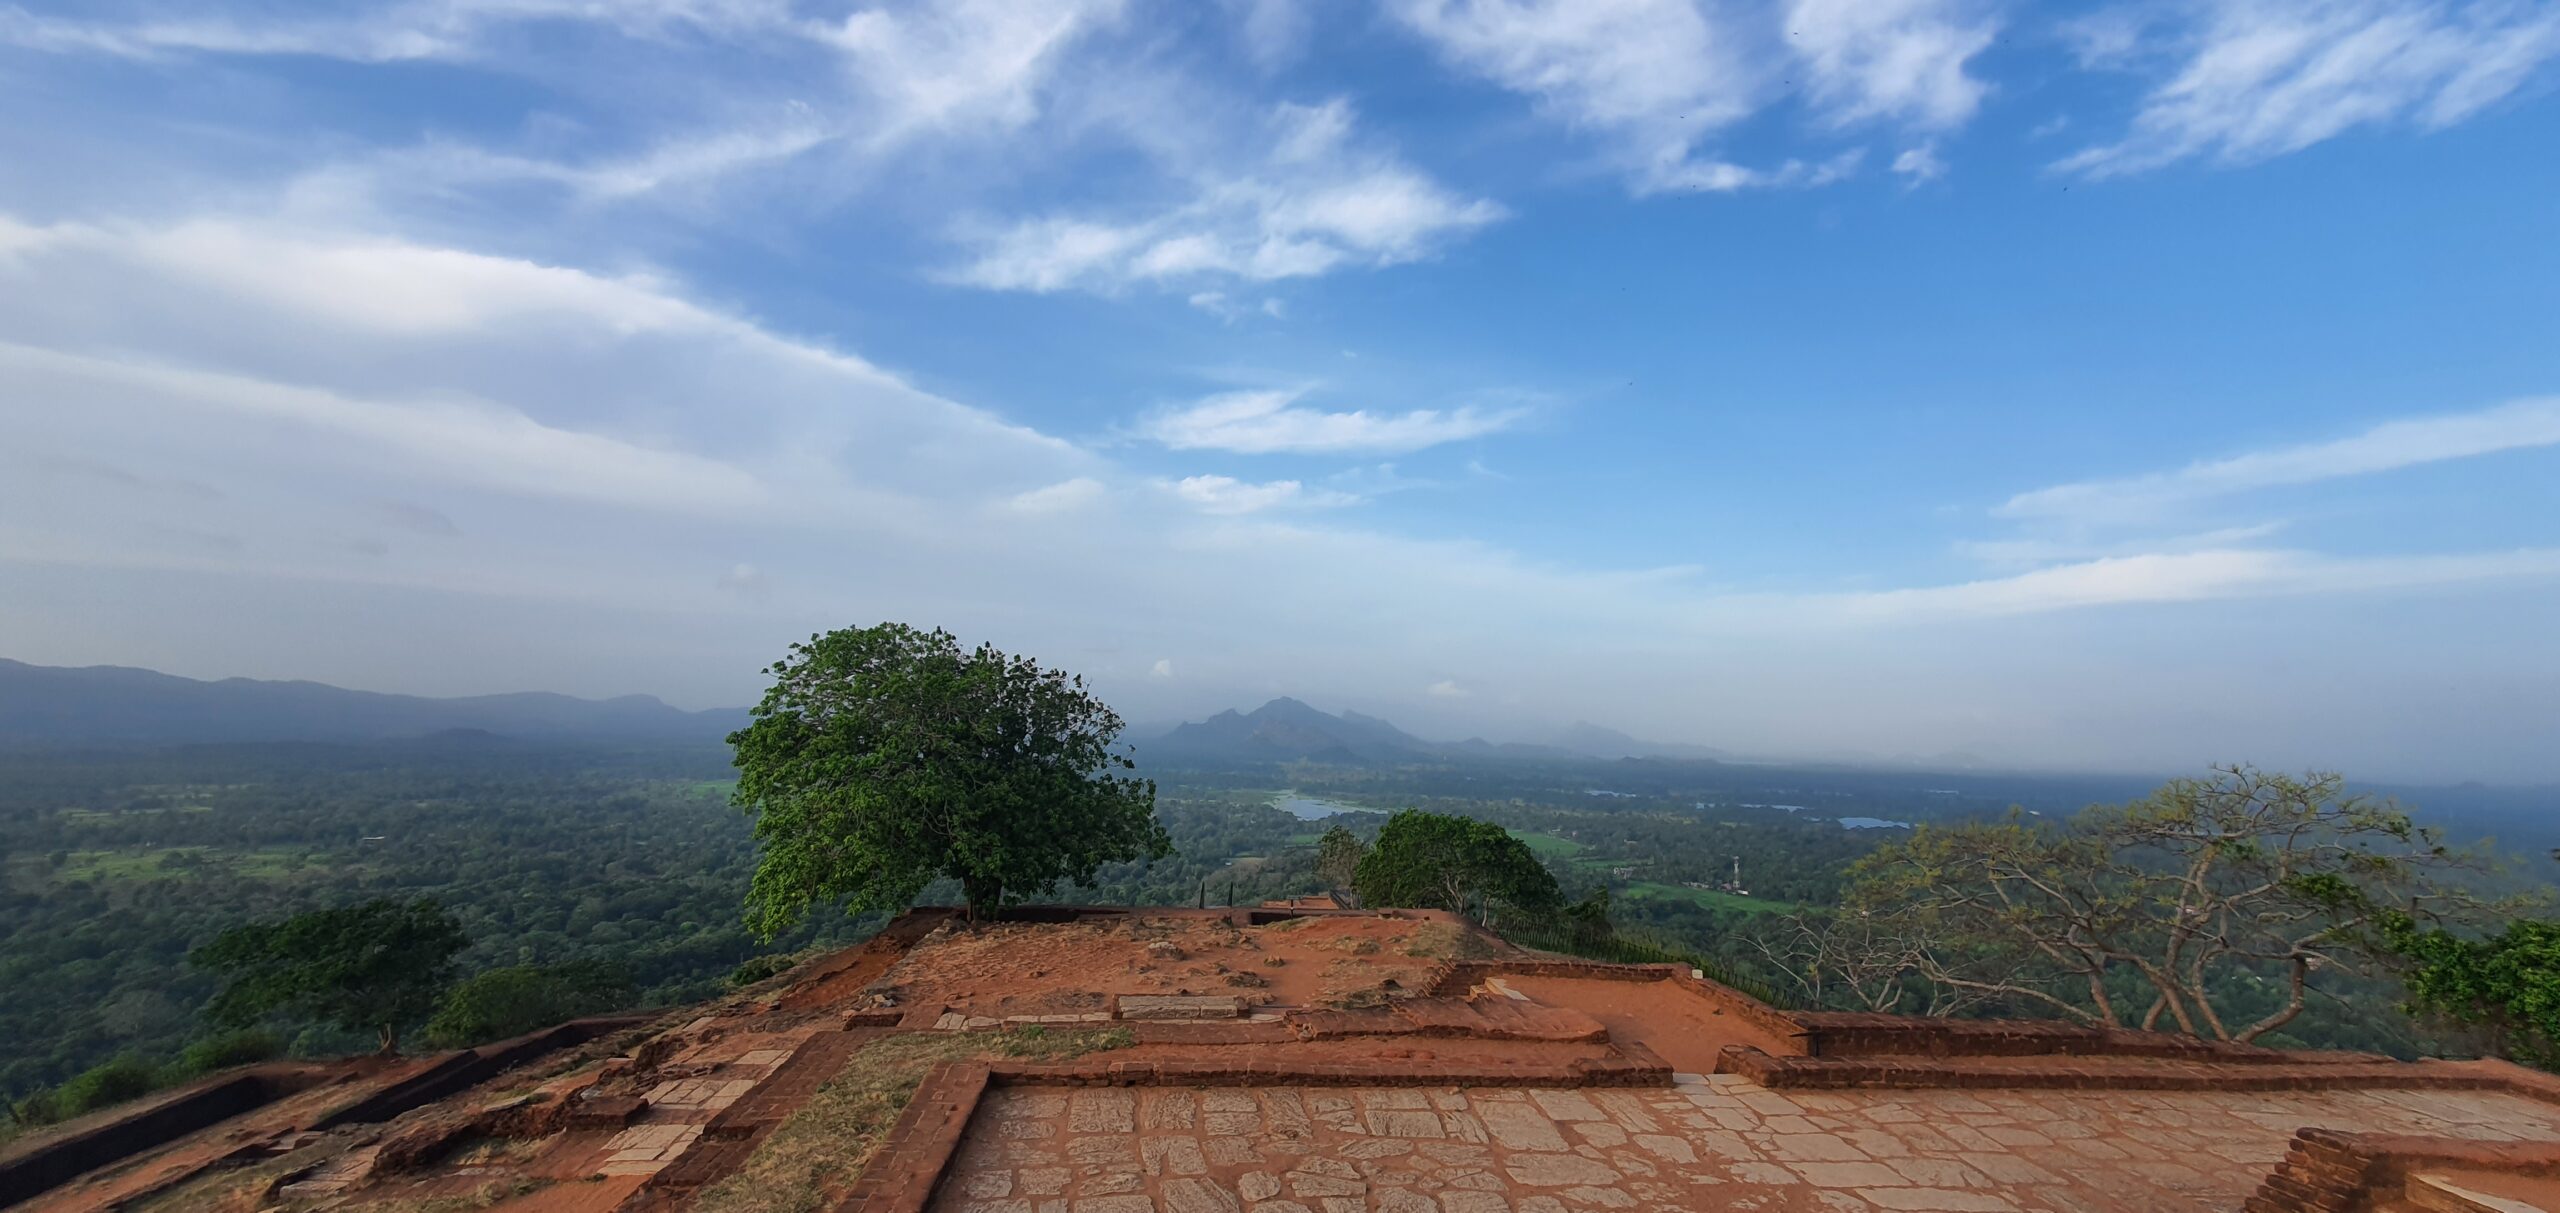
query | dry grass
(239,1189)
(1448,941)
(825,1144)
(491,1193)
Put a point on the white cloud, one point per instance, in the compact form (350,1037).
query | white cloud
(420,29)
(485,445)
(962,64)
(1163,668)
(1445,689)
(1651,77)
(1920,165)
(1064,497)
(2037,551)
(2184,577)
(2515,425)
(609,438)
(1897,60)
(1720,177)
(1317,202)
(2253,79)
(1655,80)
(1267,422)
(1228,495)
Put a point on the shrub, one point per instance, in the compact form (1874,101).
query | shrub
(228,1049)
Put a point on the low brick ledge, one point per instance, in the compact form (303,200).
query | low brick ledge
(2103,1073)
(904,1171)
(2334,1171)
(1638,1067)
(1866,1034)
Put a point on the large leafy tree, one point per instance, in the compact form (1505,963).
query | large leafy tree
(1437,861)
(885,757)
(2163,913)
(379,965)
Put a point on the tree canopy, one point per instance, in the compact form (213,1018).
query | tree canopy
(375,966)
(498,1003)
(883,758)
(2154,903)
(2504,986)
(1437,861)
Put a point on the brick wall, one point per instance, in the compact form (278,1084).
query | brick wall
(2330,1171)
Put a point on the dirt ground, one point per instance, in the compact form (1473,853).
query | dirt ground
(1684,1028)
(1037,969)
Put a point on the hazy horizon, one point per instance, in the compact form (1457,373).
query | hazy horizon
(2137,388)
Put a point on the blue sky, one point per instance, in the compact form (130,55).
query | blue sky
(2141,383)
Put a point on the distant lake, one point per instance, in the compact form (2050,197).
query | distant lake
(1872,823)
(1306,809)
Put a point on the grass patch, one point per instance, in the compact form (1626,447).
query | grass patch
(1549,846)
(170,863)
(241,1189)
(825,1144)
(1448,941)
(1711,898)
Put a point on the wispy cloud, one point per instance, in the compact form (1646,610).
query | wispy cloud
(420,29)
(1920,165)
(1268,422)
(1064,497)
(963,64)
(1318,201)
(1652,77)
(2395,444)
(2246,80)
(1654,81)
(1228,495)
(1898,60)
(2182,577)
(2045,551)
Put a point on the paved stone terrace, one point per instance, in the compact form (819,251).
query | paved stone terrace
(1710,1143)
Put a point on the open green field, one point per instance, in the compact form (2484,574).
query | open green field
(1548,846)
(1711,898)
(165,863)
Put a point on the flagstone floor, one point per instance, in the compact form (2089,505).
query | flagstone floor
(1709,1143)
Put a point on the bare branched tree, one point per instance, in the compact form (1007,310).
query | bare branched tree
(2244,870)
(1861,960)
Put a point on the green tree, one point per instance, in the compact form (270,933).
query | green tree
(2504,986)
(2160,904)
(884,757)
(377,965)
(1338,857)
(511,1001)
(1436,861)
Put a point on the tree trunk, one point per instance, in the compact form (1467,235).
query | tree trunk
(983,894)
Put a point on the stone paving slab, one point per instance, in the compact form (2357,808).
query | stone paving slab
(1716,1142)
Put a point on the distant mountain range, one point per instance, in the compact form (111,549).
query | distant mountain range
(116,705)
(1286,730)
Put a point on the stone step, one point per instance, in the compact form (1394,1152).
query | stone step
(2433,1193)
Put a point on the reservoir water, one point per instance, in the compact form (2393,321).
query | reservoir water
(1307,808)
